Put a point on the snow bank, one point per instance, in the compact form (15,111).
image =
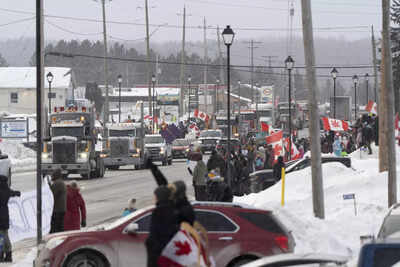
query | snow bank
(340,232)
(22,158)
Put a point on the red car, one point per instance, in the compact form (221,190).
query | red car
(237,235)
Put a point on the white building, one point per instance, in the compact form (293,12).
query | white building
(18,88)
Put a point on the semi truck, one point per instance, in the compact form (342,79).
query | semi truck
(71,143)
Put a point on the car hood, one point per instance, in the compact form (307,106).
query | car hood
(74,233)
(180,147)
(154,145)
(209,138)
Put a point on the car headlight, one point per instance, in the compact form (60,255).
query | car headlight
(55,242)
(83,155)
(45,155)
(187,149)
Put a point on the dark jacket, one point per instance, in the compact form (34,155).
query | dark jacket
(216,161)
(219,191)
(163,227)
(5,194)
(60,195)
(76,210)
(277,172)
(184,211)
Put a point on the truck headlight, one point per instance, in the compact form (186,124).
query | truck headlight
(45,155)
(83,155)
(162,150)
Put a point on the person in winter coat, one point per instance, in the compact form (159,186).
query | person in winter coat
(131,207)
(218,190)
(183,209)
(216,161)
(337,147)
(277,172)
(199,179)
(367,136)
(5,194)
(75,216)
(59,191)
(163,225)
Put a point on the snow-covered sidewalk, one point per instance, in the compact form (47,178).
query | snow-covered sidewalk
(22,158)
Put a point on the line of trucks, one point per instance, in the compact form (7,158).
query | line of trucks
(77,143)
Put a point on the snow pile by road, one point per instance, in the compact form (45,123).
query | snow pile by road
(22,158)
(340,232)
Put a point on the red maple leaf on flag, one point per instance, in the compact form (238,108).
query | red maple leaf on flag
(335,123)
(183,248)
(202,115)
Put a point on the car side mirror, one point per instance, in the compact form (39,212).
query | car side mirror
(132,228)
(3,156)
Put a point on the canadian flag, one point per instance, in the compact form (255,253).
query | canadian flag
(147,117)
(335,125)
(275,140)
(372,107)
(264,127)
(194,127)
(201,115)
(184,250)
(295,153)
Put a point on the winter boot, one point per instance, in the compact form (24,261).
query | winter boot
(8,257)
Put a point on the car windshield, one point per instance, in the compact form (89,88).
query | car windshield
(153,140)
(119,133)
(180,142)
(211,134)
(67,131)
(391,226)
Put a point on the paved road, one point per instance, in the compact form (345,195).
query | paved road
(107,197)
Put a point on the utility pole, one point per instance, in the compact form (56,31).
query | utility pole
(374,63)
(148,57)
(252,47)
(389,102)
(40,114)
(205,67)
(268,62)
(316,170)
(107,102)
(182,76)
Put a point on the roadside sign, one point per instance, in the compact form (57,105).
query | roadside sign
(51,95)
(14,128)
(349,196)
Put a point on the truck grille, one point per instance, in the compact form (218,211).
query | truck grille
(119,147)
(209,141)
(154,151)
(64,152)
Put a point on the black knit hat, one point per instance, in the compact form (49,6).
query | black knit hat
(162,193)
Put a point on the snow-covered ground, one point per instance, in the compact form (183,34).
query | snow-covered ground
(340,232)
(22,158)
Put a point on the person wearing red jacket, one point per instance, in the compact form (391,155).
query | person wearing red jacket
(75,216)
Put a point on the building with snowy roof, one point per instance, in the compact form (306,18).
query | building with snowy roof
(18,88)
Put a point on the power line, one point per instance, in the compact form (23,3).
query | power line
(16,21)
(199,27)
(72,32)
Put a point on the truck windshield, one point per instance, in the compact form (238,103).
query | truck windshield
(265,113)
(119,133)
(211,134)
(153,140)
(67,131)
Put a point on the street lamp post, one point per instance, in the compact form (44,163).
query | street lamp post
(257,100)
(119,98)
(334,73)
(355,81)
(240,103)
(289,63)
(228,36)
(50,78)
(189,92)
(216,97)
(367,81)
(153,80)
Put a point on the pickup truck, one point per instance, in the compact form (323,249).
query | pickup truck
(5,166)
(157,149)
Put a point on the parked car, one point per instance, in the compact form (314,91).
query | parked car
(384,253)
(5,166)
(310,259)
(237,234)
(180,148)
(391,222)
(305,162)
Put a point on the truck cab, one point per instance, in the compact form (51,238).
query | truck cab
(208,139)
(71,143)
(157,149)
(124,146)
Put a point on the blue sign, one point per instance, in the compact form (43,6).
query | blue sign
(349,196)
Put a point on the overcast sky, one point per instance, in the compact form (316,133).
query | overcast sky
(249,18)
